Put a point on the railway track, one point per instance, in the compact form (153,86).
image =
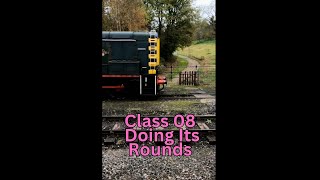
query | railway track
(184,96)
(113,128)
(166,96)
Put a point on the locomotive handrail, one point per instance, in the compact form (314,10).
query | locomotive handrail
(122,40)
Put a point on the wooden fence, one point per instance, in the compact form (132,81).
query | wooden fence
(189,78)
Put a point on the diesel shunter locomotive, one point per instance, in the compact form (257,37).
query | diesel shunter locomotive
(130,63)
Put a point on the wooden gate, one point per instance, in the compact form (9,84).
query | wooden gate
(189,78)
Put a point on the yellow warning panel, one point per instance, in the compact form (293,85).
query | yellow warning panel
(153,56)
(153,48)
(153,64)
(152,71)
(152,40)
(158,52)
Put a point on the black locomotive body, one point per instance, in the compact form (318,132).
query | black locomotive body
(130,61)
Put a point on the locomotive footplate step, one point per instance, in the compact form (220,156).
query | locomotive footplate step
(108,141)
(211,139)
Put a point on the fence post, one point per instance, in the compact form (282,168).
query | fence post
(191,72)
(195,76)
(183,78)
(186,83)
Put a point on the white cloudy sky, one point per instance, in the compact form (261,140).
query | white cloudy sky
(202,2)
(205,10)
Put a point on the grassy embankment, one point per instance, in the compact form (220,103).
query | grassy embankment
(205,53)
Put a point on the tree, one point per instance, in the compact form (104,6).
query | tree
(124,15)
(173,20)
(208,11)
(212,23)
(202,30)
(206,25)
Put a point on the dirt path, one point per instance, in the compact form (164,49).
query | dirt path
(191,67)
(208,99)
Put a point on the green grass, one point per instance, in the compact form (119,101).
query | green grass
(179,65)
(208,80)
(205,53)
